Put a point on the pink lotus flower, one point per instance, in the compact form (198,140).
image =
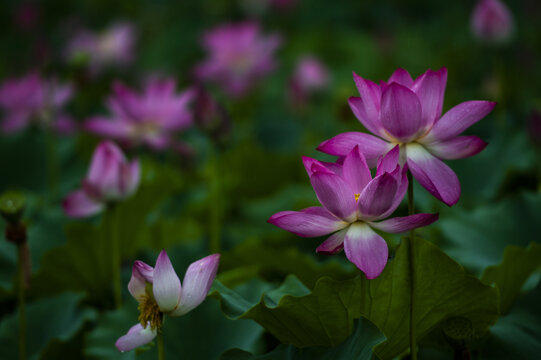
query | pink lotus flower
(310,76)
(110,178)
(158,291)
(112,47)
(150,118)
(408,113)
(492,21)
(34,99)
(238,56)
(353,203)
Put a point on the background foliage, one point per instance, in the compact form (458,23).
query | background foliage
(274,297)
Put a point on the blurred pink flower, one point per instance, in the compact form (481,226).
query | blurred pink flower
(149,118)
(492,21)
(239,55)
(407,112)
(309,76)
(34,99)
(112,47)
(110,178)
(353,205)
(158,291)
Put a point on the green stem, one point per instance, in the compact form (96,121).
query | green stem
(52,162)
(161,355)
(411,210)
(110,219)
(22,313)
(215,203)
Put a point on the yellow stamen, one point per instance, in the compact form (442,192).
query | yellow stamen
(357,196)
(149,312)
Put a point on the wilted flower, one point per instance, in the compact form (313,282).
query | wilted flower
(492,21)
(110,178)
(309,76)
(113,46)
(211,116)
(158,291)
(353,203)
(533,126)
(239,55)
(150,118)
(34,99)
(408,113)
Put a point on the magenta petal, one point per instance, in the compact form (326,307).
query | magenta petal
(369,119)
(335,194)
(197,282)
(366,249)
(430,89)
(136,336)
(334,243)
(436,177)
(140,275)
(458,119)
(308,163)
(144,270)
(307,223)
(108,128)
(457,148)
(378,196)
(371,97)
(402,77)
(370,146)
(389,162)
(78,205)
(402,178)
(166,286)
(401,112)
(406,223)
(355,170)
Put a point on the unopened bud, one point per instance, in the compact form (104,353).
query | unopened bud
(12,205)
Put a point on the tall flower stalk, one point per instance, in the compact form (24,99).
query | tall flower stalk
(110,179)
(12,206)
(110,226)
(411,251)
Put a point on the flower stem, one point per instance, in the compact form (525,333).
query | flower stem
(411,251)
(115,253)
(161,355)
(215,203)
(52,162)
(22,313)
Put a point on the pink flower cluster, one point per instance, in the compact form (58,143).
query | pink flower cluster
(410,134)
